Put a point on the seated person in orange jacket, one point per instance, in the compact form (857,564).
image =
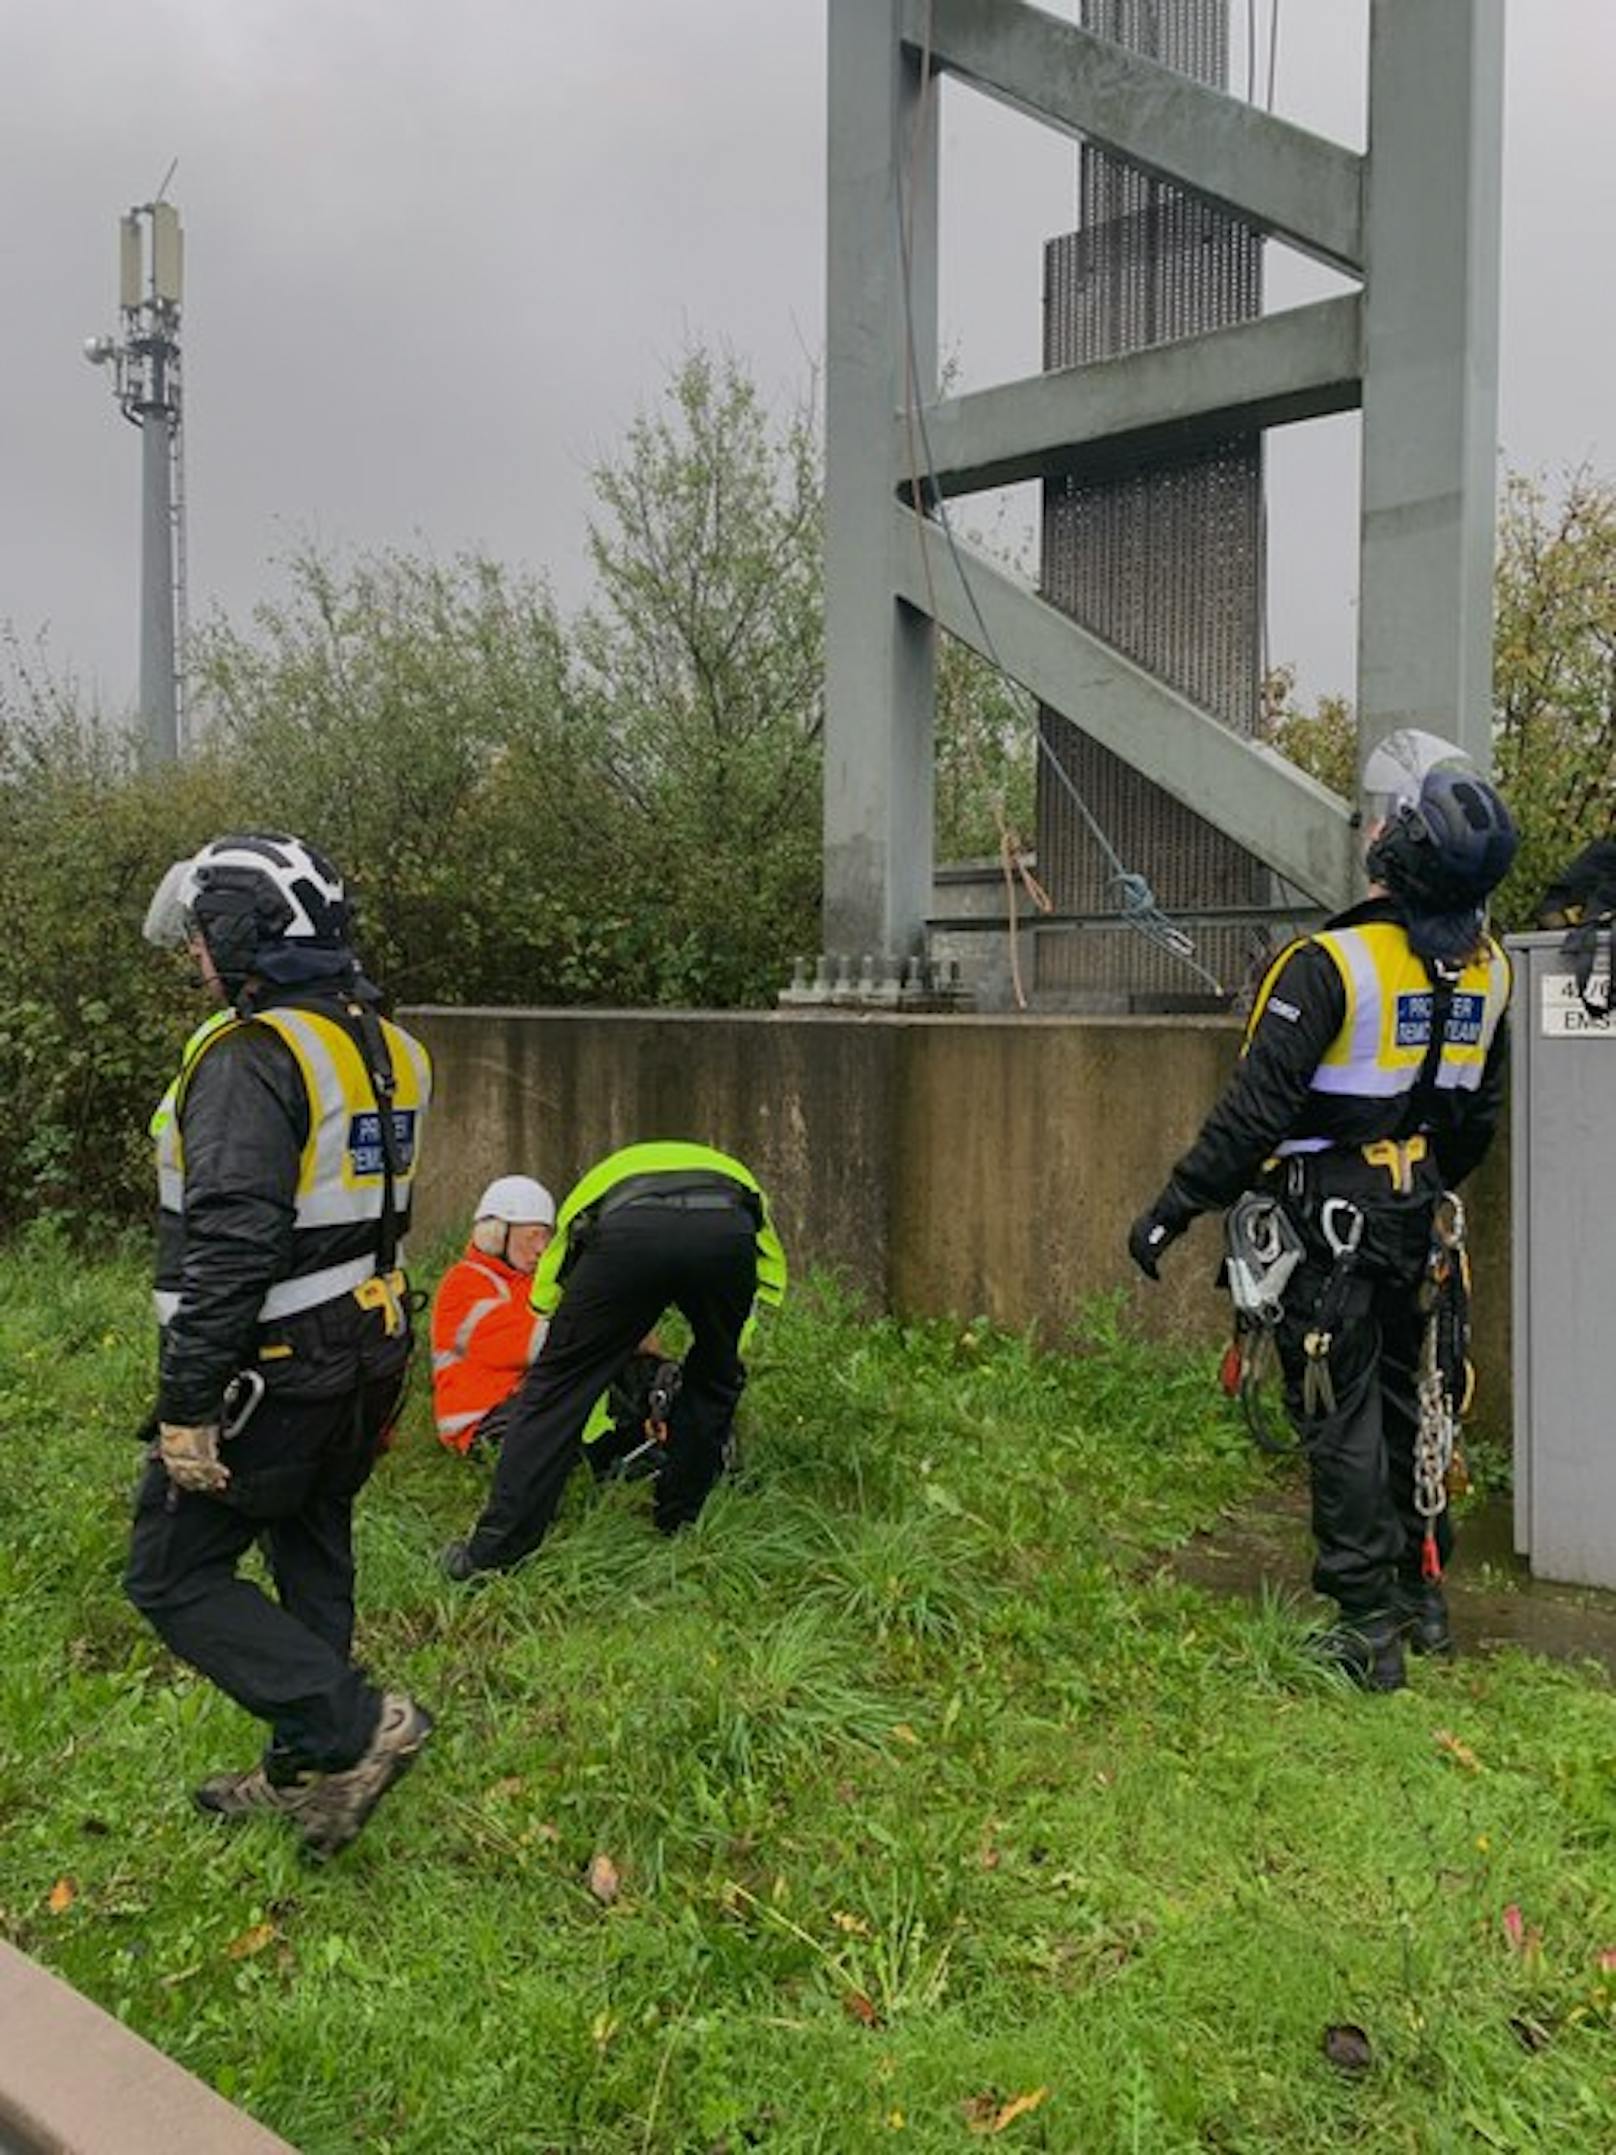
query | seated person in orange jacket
(484,1334)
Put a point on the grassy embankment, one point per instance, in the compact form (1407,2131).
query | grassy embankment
(926,1786)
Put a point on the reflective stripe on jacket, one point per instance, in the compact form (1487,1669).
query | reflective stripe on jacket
(483,1338)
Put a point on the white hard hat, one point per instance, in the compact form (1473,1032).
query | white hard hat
(519,1200)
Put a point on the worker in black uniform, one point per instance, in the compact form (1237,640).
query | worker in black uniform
(652,1227)
(1582,900)
(1371,1080)
(287,1149)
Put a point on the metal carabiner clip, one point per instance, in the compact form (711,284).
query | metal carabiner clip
(1343,1241)
(242,1396)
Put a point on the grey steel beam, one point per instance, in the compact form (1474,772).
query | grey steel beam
(1294,185)
(1250,791)
(1430,433)
(878,652)
(1300,364)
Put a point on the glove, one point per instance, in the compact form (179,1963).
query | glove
(191,1457)
(1151,1233)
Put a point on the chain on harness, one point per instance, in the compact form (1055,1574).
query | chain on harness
(1444,1373)
(1261,1251)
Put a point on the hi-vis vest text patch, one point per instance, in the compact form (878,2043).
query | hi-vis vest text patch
(366,1155)
(1466,1014)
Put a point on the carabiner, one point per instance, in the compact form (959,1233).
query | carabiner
(1343,1241)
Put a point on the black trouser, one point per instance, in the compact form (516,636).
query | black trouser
(633,1265)
(1367,1531)
(295,1471)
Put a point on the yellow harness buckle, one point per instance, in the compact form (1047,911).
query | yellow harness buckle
(1398,1158)
(384,1291)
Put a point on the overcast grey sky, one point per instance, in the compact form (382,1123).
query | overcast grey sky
(437,256)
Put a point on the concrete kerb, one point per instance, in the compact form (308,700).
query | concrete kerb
(74,2081)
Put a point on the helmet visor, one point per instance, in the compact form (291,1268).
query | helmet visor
(1397,767)
(168,917)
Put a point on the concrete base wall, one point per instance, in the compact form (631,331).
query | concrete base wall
(74,2081)
(944,1165)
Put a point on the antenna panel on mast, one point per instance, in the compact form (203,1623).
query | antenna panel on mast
(130,261)
(167,253)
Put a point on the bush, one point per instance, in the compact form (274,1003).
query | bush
(90,1017)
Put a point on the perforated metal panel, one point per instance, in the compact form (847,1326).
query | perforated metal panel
(1164,560)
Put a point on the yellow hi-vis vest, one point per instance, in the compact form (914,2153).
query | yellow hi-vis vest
(1381,1047)
(341,1175)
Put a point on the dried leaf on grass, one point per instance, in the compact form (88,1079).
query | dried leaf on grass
(990,2114)
(860,2008)
(604,1880)
(62,1896)
(1458,1750)
(251,1941)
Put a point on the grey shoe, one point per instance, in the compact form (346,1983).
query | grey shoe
(339,1804)
(245,1794)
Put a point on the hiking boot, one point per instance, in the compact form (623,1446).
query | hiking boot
(1367,1649)
(455,1562)
(1422,1611)
(340,1803)
(243,1795)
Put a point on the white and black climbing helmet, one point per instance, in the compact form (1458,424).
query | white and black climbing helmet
(249,893)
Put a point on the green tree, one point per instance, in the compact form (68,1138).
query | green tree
(986,755)
(1323,742)
(703,657)
(1554,689)
(1554,683)
(416,718)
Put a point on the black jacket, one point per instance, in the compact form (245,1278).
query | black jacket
(244,1120)
(1270,1098)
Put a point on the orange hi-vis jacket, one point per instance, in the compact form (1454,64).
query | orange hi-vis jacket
(483,1337)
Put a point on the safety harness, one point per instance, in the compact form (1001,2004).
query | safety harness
(386,1288)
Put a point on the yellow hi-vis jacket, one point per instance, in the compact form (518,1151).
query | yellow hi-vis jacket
(341,1174)
(663,1157)
(1381,1046)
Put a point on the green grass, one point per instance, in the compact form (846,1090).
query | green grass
(928,1787)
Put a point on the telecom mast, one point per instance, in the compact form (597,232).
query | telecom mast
(145,363)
